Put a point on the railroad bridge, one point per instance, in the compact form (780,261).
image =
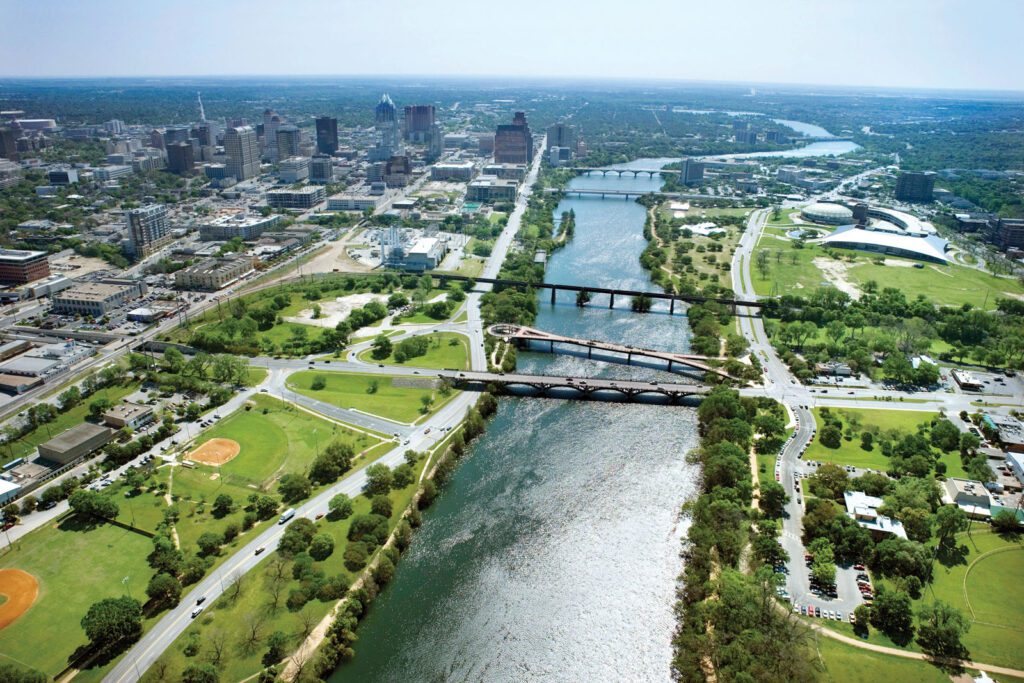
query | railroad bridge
(523,335)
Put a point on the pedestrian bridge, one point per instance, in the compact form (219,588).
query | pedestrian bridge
(522,335)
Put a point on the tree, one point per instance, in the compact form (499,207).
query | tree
(28,505)
(222,505)
(293,487)
(862,615)
(209,543)
(891,614)
(264,506)
(296,538)
(831,436)
(112,623)
(340,506)
(949,521)
(940,630)
(773,499)
(193,411)
(1005,522)
(70,398)
(381,505)
(10,513)
(277,647)
(945,435)
(830,481)
(319,382)
(321,547)
(200,673)
(369,528)
(164,589)
(867,441)
(382,347)
(379,480)
(10,673)
(332,463)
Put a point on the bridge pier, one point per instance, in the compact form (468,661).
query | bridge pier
(670,365)
(611,300)
(671,306)
(553,292)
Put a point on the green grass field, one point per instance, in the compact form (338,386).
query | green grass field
(439,357)
(944,285)
(350,390)
(27,444)
(75,566)
(255,375)
(847,664)
(783,276)
(850,452)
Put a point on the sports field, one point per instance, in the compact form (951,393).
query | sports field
(76,564)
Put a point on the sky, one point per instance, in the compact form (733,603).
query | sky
(952,44)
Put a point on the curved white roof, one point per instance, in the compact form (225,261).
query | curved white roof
(829,213)
(931,247)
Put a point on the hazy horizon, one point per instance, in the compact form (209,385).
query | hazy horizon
(913,44)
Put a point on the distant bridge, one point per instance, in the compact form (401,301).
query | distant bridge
(524,335)
(581,388)
(626,194)
(651,172)
(443,278)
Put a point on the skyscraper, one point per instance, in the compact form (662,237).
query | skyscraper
(419,119)
(326,135)
(513,143)
(289,141)
(271,121)
(181,158)
(148,229)
(242,149)
(386,121)
(562,135)
(8,144)
(915,187)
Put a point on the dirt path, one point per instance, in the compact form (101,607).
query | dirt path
(835,272)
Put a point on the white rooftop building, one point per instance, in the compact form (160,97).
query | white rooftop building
(863,509)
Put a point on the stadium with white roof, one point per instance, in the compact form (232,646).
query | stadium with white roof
(886,231)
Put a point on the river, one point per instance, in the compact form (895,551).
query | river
(553,552)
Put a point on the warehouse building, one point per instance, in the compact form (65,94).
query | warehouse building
(242,225)
(96,299)
(131,415)
(215,273)
(76,442)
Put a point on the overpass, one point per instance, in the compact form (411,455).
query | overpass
(580,388)
(444,278)
(523,335)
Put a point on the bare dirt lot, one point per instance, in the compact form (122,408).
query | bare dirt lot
(333,312)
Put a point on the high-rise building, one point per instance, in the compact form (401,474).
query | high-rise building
(692,172)
(386,121)
(293,169)
(271,121)
(435,142)
(326,135)
(156,139)
(242,149)
(513,143)
(8,144)
(114,126)
(915,187)
(562,135)
(181,158)
(289,141)
(148,229)
(419,119)
(321,169)
(174,135)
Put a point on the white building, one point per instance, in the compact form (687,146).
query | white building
(863,509)
(353,202)
(294,169)
(424,255)
(461,171)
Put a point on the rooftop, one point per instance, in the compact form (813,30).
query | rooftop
(864,510)
(74,436)
(931,247)
(19,255)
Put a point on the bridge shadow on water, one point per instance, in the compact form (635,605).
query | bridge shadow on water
(610,357)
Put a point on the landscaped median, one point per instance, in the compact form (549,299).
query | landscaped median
(401,398)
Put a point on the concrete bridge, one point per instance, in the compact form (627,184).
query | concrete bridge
(444,278)
(626,194)
(580,388)
(651,172)
(523,335)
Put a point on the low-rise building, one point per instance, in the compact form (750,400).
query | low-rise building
(863,509)
(107,173)
(215,273)
(967,381)
(20,266)
(489,188)
(459,171)
(79,441)
(303,198)
(8,491)
(970,496)
(96,299)
(242,225)
(131,415)
(506,171)
(353,202)
(1008,429)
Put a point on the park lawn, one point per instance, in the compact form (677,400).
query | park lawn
(255,602)
(850,452)
(954,466)
(351,390)
(27,444)
(254,375)
(767,462)
(783,276)
(440,357)
(276,438)
(462,317)
(950,285)
(471,266)
(847,664)
(76,565)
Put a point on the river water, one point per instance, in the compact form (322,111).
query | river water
(553,552)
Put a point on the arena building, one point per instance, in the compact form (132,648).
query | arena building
(829,214)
